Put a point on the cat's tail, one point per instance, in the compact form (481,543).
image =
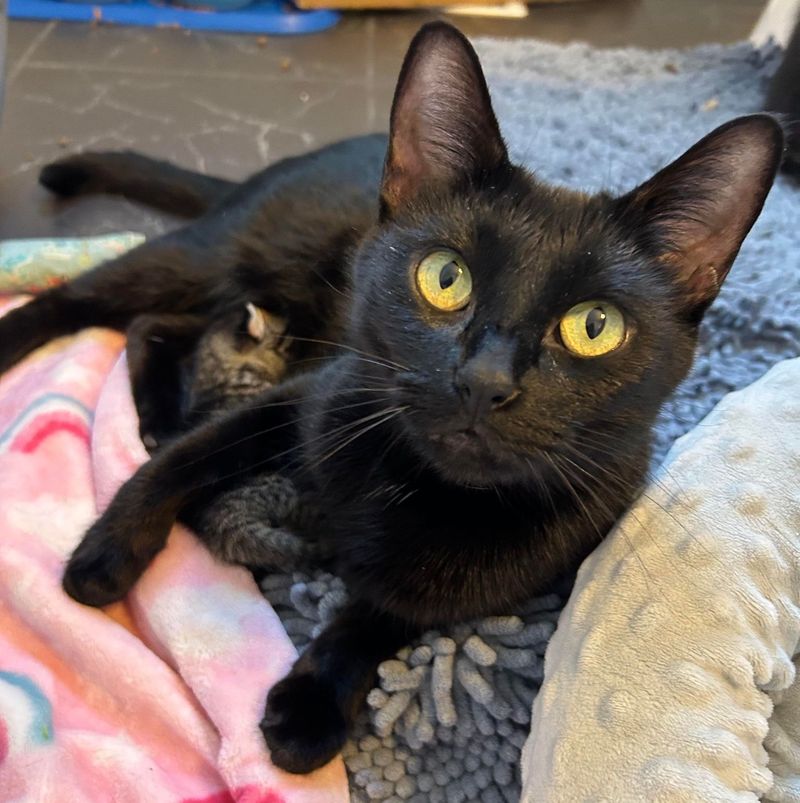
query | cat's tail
(162,185)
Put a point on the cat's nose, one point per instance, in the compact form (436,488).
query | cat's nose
(486,382)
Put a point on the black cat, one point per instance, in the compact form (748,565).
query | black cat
(505,348)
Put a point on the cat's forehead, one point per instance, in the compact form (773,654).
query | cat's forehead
(529,229)
(522,216)
(534,250)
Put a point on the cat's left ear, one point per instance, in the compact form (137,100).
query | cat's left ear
(443,130)
(693,215)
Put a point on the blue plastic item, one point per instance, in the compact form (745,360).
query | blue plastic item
(262,17)
(212,5)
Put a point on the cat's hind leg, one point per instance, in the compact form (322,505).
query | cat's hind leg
(136,177)
(174,273)
(254,525)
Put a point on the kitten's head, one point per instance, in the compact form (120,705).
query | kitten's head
(529,320)
(241,353)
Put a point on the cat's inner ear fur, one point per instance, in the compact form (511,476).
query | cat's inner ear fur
(694,214)
(443,129)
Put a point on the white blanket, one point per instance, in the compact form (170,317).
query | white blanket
(671,676)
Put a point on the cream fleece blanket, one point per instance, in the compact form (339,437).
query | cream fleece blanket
(672,674)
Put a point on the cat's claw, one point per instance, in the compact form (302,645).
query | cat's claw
(303,726)
(150,442)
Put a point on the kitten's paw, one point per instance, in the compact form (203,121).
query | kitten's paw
(100,571)
(303,726)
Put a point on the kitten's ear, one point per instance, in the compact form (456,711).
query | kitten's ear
(443,128)
(694,214)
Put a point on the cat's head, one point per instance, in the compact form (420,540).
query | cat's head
(531,320)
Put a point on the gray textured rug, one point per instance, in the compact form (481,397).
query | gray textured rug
(451,713)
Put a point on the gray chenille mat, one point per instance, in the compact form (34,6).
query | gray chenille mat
(450,713)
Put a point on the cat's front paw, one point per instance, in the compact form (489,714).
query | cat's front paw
(303,726)
(100,570)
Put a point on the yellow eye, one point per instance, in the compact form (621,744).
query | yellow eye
(592,329)
(444,281)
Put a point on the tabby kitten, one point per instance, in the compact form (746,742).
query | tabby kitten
(185,368)
(506,346)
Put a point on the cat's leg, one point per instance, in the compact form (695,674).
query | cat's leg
(157,347)
(311,711)
(137,177)
(191,471)
(174,273)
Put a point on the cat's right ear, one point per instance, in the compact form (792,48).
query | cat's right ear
(443,129)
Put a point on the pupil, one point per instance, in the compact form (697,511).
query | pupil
(448,274)
(595,322)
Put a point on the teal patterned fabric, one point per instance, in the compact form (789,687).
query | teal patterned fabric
(28,266)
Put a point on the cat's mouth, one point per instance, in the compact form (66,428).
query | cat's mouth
(460,450)
(462,441)
(472,457)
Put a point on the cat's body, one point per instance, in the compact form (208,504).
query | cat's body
(250,245)
(504,348)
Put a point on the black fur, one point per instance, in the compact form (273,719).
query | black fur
(281,240)
(137,177)
(455,463)
(784,97)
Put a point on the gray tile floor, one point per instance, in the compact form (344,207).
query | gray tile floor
(228,104)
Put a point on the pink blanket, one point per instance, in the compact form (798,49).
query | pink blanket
(156,698)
